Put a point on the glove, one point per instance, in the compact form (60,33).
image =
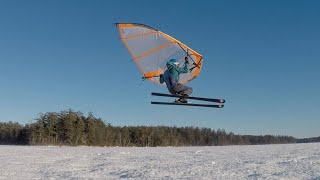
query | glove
(186,60)
(161,79)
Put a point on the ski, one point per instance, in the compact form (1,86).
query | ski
(190,97)
(189,104)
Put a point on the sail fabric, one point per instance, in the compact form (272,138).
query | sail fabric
(151,49)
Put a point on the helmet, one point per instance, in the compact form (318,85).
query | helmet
(174,61)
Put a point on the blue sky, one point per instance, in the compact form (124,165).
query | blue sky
(261,56)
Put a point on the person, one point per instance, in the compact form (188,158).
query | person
(171,78)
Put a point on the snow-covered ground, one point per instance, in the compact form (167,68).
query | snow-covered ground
(293,161)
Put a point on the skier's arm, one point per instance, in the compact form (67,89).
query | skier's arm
(184,69)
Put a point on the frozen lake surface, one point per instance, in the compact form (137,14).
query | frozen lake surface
(291,161)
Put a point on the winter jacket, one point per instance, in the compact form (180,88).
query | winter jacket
(171,75)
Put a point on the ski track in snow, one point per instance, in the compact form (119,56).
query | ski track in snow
(290,161)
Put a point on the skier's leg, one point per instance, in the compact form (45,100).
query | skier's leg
(182,90)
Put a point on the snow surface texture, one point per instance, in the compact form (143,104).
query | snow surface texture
(292,161)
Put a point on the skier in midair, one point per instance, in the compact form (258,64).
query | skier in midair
(171,77)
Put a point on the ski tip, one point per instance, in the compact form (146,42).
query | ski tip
(222,100)
(220,106)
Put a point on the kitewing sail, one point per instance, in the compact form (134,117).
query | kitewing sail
(151,49)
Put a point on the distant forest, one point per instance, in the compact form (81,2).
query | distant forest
(72,128)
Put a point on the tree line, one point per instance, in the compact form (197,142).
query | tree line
(75,129)
(309,140)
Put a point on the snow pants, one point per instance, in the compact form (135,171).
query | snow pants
(180,89)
